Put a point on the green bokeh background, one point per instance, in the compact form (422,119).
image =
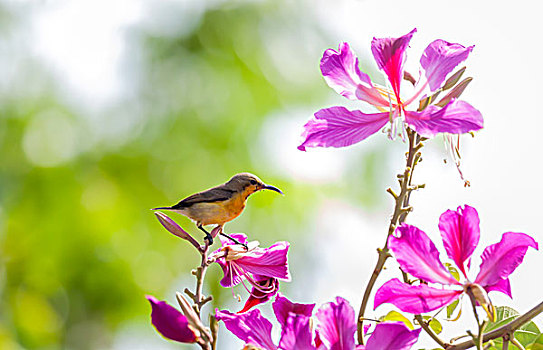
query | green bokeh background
(79,247)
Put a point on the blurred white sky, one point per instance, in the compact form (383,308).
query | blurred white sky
(83,42)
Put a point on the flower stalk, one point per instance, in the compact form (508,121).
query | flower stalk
(401,210)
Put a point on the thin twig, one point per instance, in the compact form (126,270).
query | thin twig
(508,328)
(199,299)
(401,209)
(429,330)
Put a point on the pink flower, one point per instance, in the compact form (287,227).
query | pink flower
(335,328)
(259,267)
(418,256)
(340,127)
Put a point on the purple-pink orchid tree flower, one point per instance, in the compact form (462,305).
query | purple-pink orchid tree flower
(262,268)
(418,256)
(340,127)
(335,328)
(171,323)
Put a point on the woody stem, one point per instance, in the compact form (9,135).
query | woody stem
(505,330)
(401,210)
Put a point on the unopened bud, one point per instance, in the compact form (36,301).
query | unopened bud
(455,92)
(192,317)
(454,79)
(481,296)
(174,228)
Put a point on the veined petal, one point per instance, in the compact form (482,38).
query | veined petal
(282,307)
(503,286)
(169,322)
(339,127)
(251,327)
(392,336)
(414,299)
(457,117)
(499,260)
(341,72)
(389,54)
(336,325)
(270,262)
(297,333)
(417,255)
(440,58)
(460,234)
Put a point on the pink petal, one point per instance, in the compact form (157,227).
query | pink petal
(341,72)
(502,258)
(251,327)
(440,58)
(270,262)
(460,234)
(336,325)
(169,322)
(339,127)
(457,117)
(390,56)
(240,237)
(392,336)
(297,333)
(414,299)
(282,307)
(503,286)
(417,255)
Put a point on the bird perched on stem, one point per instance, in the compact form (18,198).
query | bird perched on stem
(220,204)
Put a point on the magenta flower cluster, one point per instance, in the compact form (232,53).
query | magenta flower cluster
(335,328)
(333,325)
(340,127)
(418,256)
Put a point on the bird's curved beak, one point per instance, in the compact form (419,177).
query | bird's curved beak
(272,188)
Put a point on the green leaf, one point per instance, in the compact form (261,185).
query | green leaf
(504,315)
(525,335)
(454,271)
(396,316)
(451,307)
(434,324)
(537,344)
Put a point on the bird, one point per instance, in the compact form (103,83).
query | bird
(220,204)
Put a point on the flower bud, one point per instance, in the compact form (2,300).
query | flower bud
(192,317)
(455,92)
(481,296)
(174,228)
(453,79)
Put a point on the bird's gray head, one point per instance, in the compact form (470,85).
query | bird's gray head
(249,184)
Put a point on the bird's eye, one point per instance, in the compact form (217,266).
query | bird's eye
(253,182)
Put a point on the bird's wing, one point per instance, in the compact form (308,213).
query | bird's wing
(209,196)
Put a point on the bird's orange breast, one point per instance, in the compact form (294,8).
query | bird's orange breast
(217,213)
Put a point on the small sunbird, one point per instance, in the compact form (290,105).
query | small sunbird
(220,204)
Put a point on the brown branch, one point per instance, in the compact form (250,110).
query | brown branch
(401,209)
(504,330)
(426,327)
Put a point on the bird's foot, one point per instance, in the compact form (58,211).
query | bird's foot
(235,241)
(208,238)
